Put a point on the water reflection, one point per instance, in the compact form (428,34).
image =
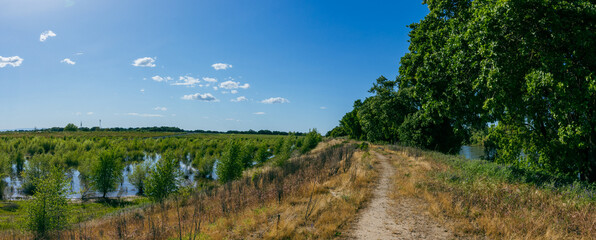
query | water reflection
(77,188)
(474,152)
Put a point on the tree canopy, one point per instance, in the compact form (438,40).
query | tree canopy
(524,67)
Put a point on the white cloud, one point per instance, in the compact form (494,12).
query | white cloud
(259,113)
(323,107)
(233,85)
(142,90)
(221,66)
(90,113)
(239,99)
(207,97)
(68,61)
(186,81)
(45,35)
(210,80)
(158,78)
(234,91)
(144,62)
(144,115)
(79,53)
(275,100)
(215,88)
(14,61)
(160,109)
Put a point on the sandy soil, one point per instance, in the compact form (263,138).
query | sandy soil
(384,218)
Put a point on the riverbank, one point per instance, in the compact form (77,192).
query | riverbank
(478,199)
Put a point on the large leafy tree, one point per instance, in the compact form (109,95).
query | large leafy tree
(350,124)
(527,66)
(381,115)
(524,66)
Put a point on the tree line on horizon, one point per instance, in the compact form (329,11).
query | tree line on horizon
(522,71)
(71,127)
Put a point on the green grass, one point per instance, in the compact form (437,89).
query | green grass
(463,171)
(482,198)
(13,213)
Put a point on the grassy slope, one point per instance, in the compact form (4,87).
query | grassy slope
(479,198)
(13,213)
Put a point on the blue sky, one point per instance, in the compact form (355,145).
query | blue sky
(212,65)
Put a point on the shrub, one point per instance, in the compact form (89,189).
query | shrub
(47,211)
(139,176)
(37,168)
(311,140)
(230,166)
(106,172)
(163,178)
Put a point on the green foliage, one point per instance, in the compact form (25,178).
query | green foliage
(247,154)
(311,140)
(338,131)
(525,66)
(47,210)
(163,178)
(106,172)
(138,177)
(5,170)
(351,124)
(478,136)
(262,154)
(18,160)
(204,166)
(71,128)
(39,166)
(363,146)
(382,114)
(230,165)
(285,152)
(416,130)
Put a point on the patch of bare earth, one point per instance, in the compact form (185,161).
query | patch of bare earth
(385,218)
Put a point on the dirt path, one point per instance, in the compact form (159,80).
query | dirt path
(383,218)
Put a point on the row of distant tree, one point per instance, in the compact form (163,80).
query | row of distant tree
(73,128)
(523,69)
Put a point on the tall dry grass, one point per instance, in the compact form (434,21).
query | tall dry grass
(480,199)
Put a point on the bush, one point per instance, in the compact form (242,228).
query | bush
(106,172)
(163,178)
(230,166)
(138,177)
(311,140)
(47,211)
(204,166)
(39,166)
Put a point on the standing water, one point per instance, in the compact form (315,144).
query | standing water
(474,152)
(75,188)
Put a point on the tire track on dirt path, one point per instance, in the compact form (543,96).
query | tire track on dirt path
(383,218)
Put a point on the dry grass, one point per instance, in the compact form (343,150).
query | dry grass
(476,200)
(311,197)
